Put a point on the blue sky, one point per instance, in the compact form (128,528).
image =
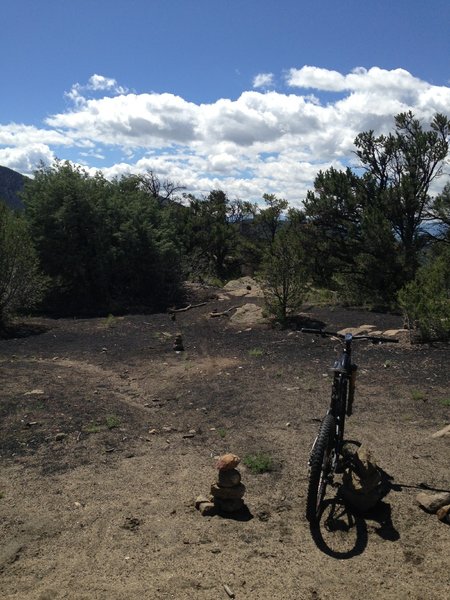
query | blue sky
(250,96)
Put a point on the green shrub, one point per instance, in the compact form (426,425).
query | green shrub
(256,352)
(92,428)
(261,462)
(21,283)
(112,421)
(426,300)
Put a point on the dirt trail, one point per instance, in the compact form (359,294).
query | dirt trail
(89,511)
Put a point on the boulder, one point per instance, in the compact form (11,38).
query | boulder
(248,314)
(361,330)
(244,286)
(432,502)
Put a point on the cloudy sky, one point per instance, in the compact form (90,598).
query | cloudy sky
(250,96)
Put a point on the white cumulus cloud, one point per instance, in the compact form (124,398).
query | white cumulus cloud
(259,142)
(263,80)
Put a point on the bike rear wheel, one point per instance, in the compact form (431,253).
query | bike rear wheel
(319,468)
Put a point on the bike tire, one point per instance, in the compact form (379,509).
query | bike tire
(319,468)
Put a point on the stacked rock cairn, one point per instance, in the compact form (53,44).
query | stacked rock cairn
(178,343)
(227,491)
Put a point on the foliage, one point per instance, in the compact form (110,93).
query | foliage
(210,233)
(112,421)
(21,283)
(426,300)
(106,246)
(282,274)
(268,220)
(92,428)
(256,352)
(365,233)
(441,212)
(403,165)
(222,432)
(258,463)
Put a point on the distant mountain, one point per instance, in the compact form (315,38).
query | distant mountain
(11,183)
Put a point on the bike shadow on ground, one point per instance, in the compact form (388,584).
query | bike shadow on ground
(342,531)
(339,533)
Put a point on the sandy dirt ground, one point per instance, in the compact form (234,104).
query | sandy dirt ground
(108,436)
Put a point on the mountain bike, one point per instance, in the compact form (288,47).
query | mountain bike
(326,453)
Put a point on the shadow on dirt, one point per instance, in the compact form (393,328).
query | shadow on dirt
(339,533)
(22,330)
(296,322)
(242,516)
(342,530)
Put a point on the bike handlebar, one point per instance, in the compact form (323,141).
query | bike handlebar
(372,338)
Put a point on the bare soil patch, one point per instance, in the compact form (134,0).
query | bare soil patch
(108,435)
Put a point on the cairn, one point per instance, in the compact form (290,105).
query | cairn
(227,491)
(178,343)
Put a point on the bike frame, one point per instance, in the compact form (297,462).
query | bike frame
(326,450)
(343,373)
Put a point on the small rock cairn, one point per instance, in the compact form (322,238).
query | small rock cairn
(178,343)
(227,491)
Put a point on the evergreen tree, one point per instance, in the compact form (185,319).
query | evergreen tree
(21,282)
(365,233)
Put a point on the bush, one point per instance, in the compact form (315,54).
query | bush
(426,300)
(21,283)
(283,275)
(258,463)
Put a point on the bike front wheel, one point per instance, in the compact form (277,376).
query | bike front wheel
(319,468)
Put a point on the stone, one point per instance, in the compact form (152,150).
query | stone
(60,436)
(443,513)
(229,505)
(248,314)
(207,509)
(228,493)
(228,478)
(227,462)
(131,523)
(432,502)
(201,500)
(361,482)
(365,473)
(361,330)
(442,432)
